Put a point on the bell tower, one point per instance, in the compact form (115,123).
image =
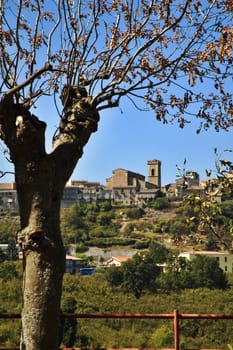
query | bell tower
(154,172)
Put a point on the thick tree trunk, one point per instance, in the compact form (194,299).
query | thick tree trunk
(44,260)
(40,180)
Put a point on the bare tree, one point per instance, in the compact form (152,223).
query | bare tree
(93,54)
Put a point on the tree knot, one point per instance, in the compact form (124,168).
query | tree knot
(31,237)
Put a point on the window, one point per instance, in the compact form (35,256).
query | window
(152,172)
(225,259)
(226,268)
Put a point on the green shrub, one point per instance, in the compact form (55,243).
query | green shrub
(141,244)
(134,213)
(159,203)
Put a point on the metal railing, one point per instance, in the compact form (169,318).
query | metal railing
(176,316)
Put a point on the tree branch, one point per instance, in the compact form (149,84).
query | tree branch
(79,121)
(47,68)
(3,173)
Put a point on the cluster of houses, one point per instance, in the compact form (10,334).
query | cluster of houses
(224,259)
(124,186)
(74,265)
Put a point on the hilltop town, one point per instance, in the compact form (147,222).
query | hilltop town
(124,186)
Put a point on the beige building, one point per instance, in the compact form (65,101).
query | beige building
(8,196)
(154,172)
(132,188)
(225,259)
(81,191)
(185,185)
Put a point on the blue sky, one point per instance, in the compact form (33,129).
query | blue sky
(128,140)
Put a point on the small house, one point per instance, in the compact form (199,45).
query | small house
(117,260)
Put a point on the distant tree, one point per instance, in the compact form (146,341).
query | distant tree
(206,272)
(105,206)
(104,219)
(141,244)
(129,228)
(210,245)
(114,275)
(134,213)
(172,282)
(94,55)
(91,208)
(158,252)
(76,216)
(178,227)
(139,274)
(159,203)
(162,336)
(8,228)
(202,272)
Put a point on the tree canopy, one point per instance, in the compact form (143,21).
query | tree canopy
(154,53)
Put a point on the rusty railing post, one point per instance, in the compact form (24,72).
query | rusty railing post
(176,330)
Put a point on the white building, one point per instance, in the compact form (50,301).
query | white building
(225,259)
(117,260)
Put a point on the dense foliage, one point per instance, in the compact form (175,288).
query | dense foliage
(83,225)
(144,272)
(93,294)
(9,225)
(202,272)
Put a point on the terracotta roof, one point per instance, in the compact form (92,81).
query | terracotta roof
(121,258)
(71,257)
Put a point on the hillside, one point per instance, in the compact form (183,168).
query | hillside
(110,228)
(103,227)
(154,225)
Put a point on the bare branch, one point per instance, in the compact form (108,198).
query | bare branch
(129,64)
(35,38)
(52,32)
(17,37)
(35,75)
(4,173)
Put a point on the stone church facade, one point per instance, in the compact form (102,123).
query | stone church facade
(129,187)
